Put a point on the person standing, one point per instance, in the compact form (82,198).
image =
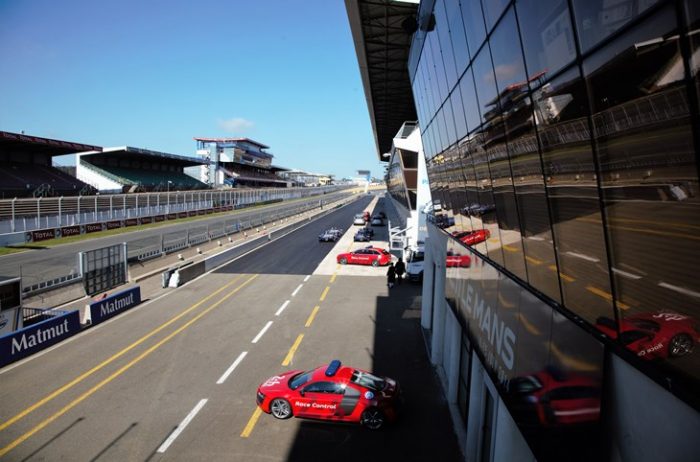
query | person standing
(400,269)
(390,275)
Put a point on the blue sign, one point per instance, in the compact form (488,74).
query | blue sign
(27,341)
(114,304)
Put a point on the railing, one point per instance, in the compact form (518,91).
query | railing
(21,215)
(63,270)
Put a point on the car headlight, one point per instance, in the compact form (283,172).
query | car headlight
(259,398)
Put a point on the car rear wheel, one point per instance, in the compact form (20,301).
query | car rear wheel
(680,345)
(343,261)
(280,408)
(375,262)
(372,418)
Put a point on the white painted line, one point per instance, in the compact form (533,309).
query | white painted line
(583,257)
(626,274)
(231,368)
(307,278)
(297,290)
(536,238)
(262,332)
(680,290)
(281,308)
(164,447)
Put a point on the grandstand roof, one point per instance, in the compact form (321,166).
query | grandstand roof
(232,140)
(25,144)
(131,152)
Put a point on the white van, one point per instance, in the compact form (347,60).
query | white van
(414,264)
(432,207)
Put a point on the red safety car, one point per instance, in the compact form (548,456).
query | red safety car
(654,335)
(332,392)
(457,260)
(374,256)
(473,237)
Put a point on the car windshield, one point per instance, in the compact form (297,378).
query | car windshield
(299,380)
(416,257)
(367,380)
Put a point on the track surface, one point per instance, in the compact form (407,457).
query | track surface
(175,378)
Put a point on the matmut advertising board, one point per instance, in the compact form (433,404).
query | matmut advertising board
(29,340)
(104,309)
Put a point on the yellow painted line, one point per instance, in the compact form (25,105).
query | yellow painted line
(653,232)
(504,303)
(119,372)
(292,350)
(528,325)
(534,261)
(251,423)
(562,275)
(510,248)
(111,359)
(333,278)
(607,296)
(311,317)
(325,292)
(574,363)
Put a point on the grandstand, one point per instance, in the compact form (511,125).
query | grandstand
(26,168)
(127,169)
(236,162)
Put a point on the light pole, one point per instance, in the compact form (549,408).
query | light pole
(169,182)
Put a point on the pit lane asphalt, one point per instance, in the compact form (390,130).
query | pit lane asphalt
(121,389)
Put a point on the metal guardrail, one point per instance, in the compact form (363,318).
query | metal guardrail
(28,214)
(65,270)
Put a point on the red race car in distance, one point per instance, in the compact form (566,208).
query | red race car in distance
(473,237)
(332,392)
(654,335)
(368,256)
(457,260)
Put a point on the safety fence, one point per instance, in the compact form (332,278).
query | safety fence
(29,214)
(51,273)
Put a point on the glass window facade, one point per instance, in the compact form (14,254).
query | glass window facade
(565,152)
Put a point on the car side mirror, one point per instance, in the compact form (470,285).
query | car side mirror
(301,392)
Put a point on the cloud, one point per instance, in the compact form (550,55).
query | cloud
(235,125)
(506,72)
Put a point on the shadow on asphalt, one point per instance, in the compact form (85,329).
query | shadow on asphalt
(424,430)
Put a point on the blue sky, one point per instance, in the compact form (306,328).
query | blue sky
(154,74)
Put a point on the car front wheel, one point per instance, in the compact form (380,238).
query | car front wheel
(343,261)
(372,418)
(280,408)
(680,345)
(375,262)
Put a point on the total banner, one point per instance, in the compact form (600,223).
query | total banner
(27,341)
(101,310)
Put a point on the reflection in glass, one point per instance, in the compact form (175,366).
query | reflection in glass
(596,19)
(443,30)
(506,115)
(492,11)
(548,369)
(473,24)
(646,155)
(469,101)
(485,83)
(546,31)
(561,108)
(457,35)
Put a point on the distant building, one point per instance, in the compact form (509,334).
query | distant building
(302,178)
(236,162)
